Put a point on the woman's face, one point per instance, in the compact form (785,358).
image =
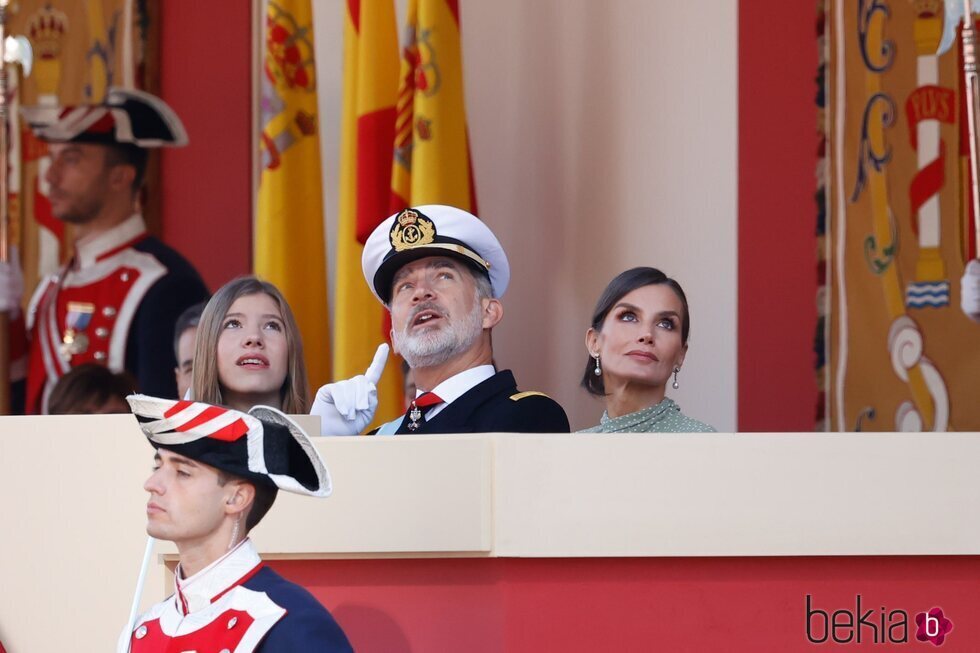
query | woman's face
(252,350)
(640,340)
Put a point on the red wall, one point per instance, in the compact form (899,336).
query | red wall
(777,280)
(205,75)
(631,604)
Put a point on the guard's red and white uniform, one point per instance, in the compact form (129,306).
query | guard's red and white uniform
(236,603)
(115,304)
(210,611)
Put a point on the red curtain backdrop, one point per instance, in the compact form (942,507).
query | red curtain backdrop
(206,76)
(777,259)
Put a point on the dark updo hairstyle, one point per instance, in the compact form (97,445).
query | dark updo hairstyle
(622,285)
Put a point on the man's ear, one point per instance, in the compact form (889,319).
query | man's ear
(122,176)
(239,498)
(493,312)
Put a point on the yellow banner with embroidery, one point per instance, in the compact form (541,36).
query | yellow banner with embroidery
(900,353)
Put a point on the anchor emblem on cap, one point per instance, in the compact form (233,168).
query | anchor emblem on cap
(411,229)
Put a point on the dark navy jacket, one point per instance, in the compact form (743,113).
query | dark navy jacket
(496,406)
(307,626)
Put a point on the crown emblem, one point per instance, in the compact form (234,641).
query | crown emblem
(288,52)
(411,229)
(926,8)
(46,29)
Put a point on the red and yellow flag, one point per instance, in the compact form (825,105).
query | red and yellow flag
(432,152)
(289,242)
(366,143)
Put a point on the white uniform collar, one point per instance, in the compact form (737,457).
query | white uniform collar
(197,592)
(90,249)
(459,384)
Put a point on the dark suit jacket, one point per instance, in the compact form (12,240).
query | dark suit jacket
(496,406)
(307,626)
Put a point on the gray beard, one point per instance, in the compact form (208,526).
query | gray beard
(428,349)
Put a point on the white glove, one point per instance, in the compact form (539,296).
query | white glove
(11,284)
(347,407)
(970,290)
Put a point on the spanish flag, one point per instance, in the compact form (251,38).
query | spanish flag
(432,152)
(366,144)
(289,243)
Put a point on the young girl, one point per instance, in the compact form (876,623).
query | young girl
(249,351)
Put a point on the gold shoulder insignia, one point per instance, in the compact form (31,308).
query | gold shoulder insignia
(532,393)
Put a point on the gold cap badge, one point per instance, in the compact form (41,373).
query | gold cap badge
(411,229)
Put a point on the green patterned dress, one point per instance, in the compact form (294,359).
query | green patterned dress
(665,417)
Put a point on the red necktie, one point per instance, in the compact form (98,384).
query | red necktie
(421,405)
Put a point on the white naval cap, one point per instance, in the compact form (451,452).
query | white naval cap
(432,230)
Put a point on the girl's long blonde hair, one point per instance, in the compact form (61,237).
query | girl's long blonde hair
(206,386)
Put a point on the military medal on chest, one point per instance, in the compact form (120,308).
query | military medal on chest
(414,415)
(75,341)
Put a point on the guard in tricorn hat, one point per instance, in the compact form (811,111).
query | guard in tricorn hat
(116,300)
(440,272)
(217,472)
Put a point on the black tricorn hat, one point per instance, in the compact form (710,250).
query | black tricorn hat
(127,116)
(263,446)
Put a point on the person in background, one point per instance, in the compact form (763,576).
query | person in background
(91,389)
(216,474)
(185,337)
(116,300)
(249,350)
(637,344)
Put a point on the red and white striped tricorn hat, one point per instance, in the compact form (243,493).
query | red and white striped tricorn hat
(262,446)
(126,116)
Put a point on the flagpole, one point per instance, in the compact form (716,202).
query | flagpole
(4,213)
(138,592)
(972,110)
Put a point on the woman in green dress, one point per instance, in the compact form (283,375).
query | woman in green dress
(636,344)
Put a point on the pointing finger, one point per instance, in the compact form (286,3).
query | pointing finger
(373,373)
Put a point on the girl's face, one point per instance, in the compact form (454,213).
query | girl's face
(253,351)
(640,341)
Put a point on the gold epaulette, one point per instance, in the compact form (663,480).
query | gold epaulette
(531,393)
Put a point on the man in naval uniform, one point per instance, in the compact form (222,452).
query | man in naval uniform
(440,272)
(217,472)
(115,302)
